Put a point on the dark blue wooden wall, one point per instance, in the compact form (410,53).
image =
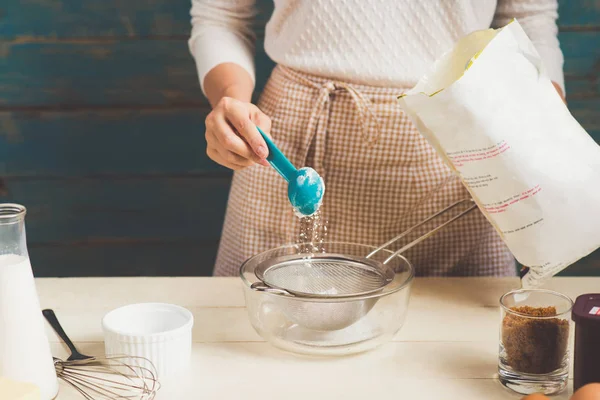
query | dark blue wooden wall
(101,132)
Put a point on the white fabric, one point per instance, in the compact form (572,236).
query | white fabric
(386,43)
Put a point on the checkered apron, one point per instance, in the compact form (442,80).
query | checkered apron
(379,175)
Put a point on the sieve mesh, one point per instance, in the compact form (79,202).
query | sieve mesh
(327,277)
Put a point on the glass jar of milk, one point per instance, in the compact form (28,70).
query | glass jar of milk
(24,349)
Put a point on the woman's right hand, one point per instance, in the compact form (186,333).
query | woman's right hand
(231,135)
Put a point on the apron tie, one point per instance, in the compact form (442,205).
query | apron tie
(316,129)
(319,116)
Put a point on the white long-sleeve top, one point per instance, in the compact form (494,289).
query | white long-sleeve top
(388,43)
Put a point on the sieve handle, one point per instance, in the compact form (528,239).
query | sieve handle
(261,287)
(428,234)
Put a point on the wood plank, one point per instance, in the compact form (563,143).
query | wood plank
(139,18)
(226,324)
(409,360)
(105,142)
(72,18)
(107,18)
(582,88)
(165,258)
(229,321)
(231,324)
(158,72)
(115,73)
(582,14)
(432,292)
(419,371)
(152,258)
(426,364)
(582,54)
(88,211)
(112,73)
(221,301)
(134,142)
(79,294)
(587,113)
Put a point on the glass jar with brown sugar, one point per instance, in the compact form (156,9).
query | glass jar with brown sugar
(534,341)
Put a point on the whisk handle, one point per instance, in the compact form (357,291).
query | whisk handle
(53,321)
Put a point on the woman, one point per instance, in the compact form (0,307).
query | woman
(330,103)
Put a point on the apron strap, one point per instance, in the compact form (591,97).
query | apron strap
(319,116)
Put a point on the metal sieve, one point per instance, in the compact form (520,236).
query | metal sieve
(333,276)
(327,276)
(324,291)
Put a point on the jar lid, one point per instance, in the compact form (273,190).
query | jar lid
(586,308)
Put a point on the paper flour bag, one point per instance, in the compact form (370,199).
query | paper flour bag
(492,114)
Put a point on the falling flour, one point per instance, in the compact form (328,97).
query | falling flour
(313,232)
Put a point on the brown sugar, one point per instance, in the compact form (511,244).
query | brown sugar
(534,346)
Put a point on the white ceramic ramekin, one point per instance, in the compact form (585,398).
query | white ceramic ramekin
(159,332)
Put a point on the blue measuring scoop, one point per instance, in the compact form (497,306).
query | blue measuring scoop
(305,186)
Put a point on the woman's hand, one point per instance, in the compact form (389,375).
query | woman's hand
(231,135)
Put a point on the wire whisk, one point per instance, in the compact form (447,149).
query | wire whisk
(107,378)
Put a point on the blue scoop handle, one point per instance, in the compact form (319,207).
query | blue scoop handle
(280,162)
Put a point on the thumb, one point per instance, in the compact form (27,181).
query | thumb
(240,116)
(264,123)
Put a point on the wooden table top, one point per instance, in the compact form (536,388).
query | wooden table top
(447,349)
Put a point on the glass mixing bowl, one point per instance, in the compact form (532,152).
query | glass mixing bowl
(323,326)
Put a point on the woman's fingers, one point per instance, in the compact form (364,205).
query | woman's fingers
(260,119)
(264,122)
(229,140)
(219,153)
(238,115)
(231,135)
(228,159)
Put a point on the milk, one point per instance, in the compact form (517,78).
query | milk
(24,349)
